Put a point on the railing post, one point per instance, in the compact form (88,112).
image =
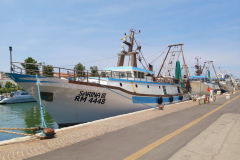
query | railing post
(59,72)
(21,70)
(43,71)
(119,75)
(98,77)
(111,74)
(127,76)
(25,68)
(87,76)
(73,75)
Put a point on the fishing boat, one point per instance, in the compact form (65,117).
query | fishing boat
(225,81)
(18,97)
(84,97)
(238,83)
(202,84)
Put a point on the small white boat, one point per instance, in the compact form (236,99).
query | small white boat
(18,97)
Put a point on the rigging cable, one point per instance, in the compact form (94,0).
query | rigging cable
(94,61)
(156,58)
(150,44)
(141,53)
(156,53)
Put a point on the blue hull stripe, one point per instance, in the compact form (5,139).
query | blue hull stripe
(20,78)
(152,99)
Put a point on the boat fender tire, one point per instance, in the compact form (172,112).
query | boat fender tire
(171,99)
(160,100)
(180,98)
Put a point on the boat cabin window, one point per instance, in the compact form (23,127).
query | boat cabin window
(108,74)
(140,74)
(122,74)
(135,74)
(164,89)
(129,74)
(116,74)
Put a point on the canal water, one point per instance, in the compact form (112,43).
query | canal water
(22,115)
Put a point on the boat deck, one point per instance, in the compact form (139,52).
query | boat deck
(148,134)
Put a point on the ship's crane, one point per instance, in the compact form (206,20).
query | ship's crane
(168,67)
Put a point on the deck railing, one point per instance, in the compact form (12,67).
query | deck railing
(77,75)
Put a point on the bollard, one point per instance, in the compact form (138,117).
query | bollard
(227,96)
(211,95)
(233,90)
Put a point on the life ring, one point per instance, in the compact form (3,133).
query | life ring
(160,100)
(171,99)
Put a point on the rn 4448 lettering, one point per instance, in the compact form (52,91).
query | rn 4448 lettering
(91,97)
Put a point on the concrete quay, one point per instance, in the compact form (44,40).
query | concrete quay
(148,134)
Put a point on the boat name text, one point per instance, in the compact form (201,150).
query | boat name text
(91,97)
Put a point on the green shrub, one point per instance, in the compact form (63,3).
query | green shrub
(4,90)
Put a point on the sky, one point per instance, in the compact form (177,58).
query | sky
(64,33)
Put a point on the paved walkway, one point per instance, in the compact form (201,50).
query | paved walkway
(91,132)
(221,140)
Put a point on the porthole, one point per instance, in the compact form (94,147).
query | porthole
(148,86)
(121,84)
(136,85)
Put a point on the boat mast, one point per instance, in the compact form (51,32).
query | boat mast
(130,51)
(198,70)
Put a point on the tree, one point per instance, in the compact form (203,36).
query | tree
(94,71)
(48,71)
(80,70)
(31,69)
(8,84)
(4,90)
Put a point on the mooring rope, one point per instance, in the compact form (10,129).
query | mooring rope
(23,134)
(41,107)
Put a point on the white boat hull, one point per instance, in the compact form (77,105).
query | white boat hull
(74,103)
(18,99)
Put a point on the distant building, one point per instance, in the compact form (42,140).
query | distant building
(4,78)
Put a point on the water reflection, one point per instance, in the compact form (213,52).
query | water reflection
(22,115)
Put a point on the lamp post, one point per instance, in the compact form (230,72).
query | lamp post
(10,49)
